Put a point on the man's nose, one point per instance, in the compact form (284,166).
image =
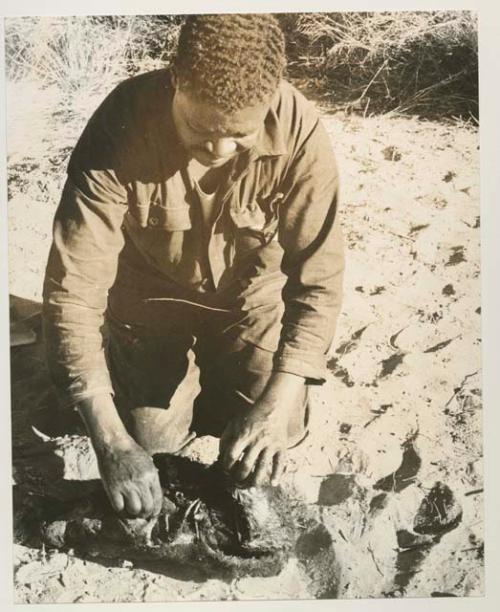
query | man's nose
(222,147)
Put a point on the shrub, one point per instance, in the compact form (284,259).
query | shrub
(84,56)
(423,63)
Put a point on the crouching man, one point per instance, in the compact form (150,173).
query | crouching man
(195,273)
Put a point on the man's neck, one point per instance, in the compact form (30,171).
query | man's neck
(207,178)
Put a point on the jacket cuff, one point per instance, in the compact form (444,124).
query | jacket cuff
(83,388)
(301,363)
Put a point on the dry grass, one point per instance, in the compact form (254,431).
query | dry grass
(86,56)
(422,63)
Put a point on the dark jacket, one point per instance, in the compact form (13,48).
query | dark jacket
(277,236)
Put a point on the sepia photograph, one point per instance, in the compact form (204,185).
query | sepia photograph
(244,306)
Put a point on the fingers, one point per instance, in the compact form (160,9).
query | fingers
(268,462)
(117,501)
(253,454)
(145,501)
(259,476)
(231,452)
(278,468)
(133,504)
(131,481)
(245,466)
(157,495)
(258,466)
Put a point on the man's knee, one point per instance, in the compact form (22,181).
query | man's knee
(158,430)
(236,383)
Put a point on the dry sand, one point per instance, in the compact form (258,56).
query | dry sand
(401,410)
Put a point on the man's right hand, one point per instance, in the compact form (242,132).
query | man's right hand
(130,478)
(127,471)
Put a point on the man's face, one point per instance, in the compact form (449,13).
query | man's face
(212,136)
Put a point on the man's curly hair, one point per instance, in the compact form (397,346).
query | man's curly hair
(232,61)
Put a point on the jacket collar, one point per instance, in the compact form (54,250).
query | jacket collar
(270,141)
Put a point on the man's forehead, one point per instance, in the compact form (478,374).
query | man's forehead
(205,116)
(228,124)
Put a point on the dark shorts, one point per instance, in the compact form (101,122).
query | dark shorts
(184,363)
(172,387)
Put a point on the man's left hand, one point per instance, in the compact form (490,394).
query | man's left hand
(253,445)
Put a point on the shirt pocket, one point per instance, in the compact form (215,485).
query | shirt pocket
(169,218)
(163,229)
(257,219)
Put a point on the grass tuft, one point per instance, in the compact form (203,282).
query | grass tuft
(85,57)
(422,63)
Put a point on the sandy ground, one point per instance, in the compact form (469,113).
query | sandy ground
(401,410)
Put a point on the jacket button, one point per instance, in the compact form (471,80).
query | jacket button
(153,221)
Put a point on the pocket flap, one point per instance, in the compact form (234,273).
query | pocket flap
(251,217)
(172,218)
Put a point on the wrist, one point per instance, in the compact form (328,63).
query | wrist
(103,423)
(273,407)
(282,392)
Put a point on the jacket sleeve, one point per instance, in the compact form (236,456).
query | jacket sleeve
(310,234)
(82,263)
